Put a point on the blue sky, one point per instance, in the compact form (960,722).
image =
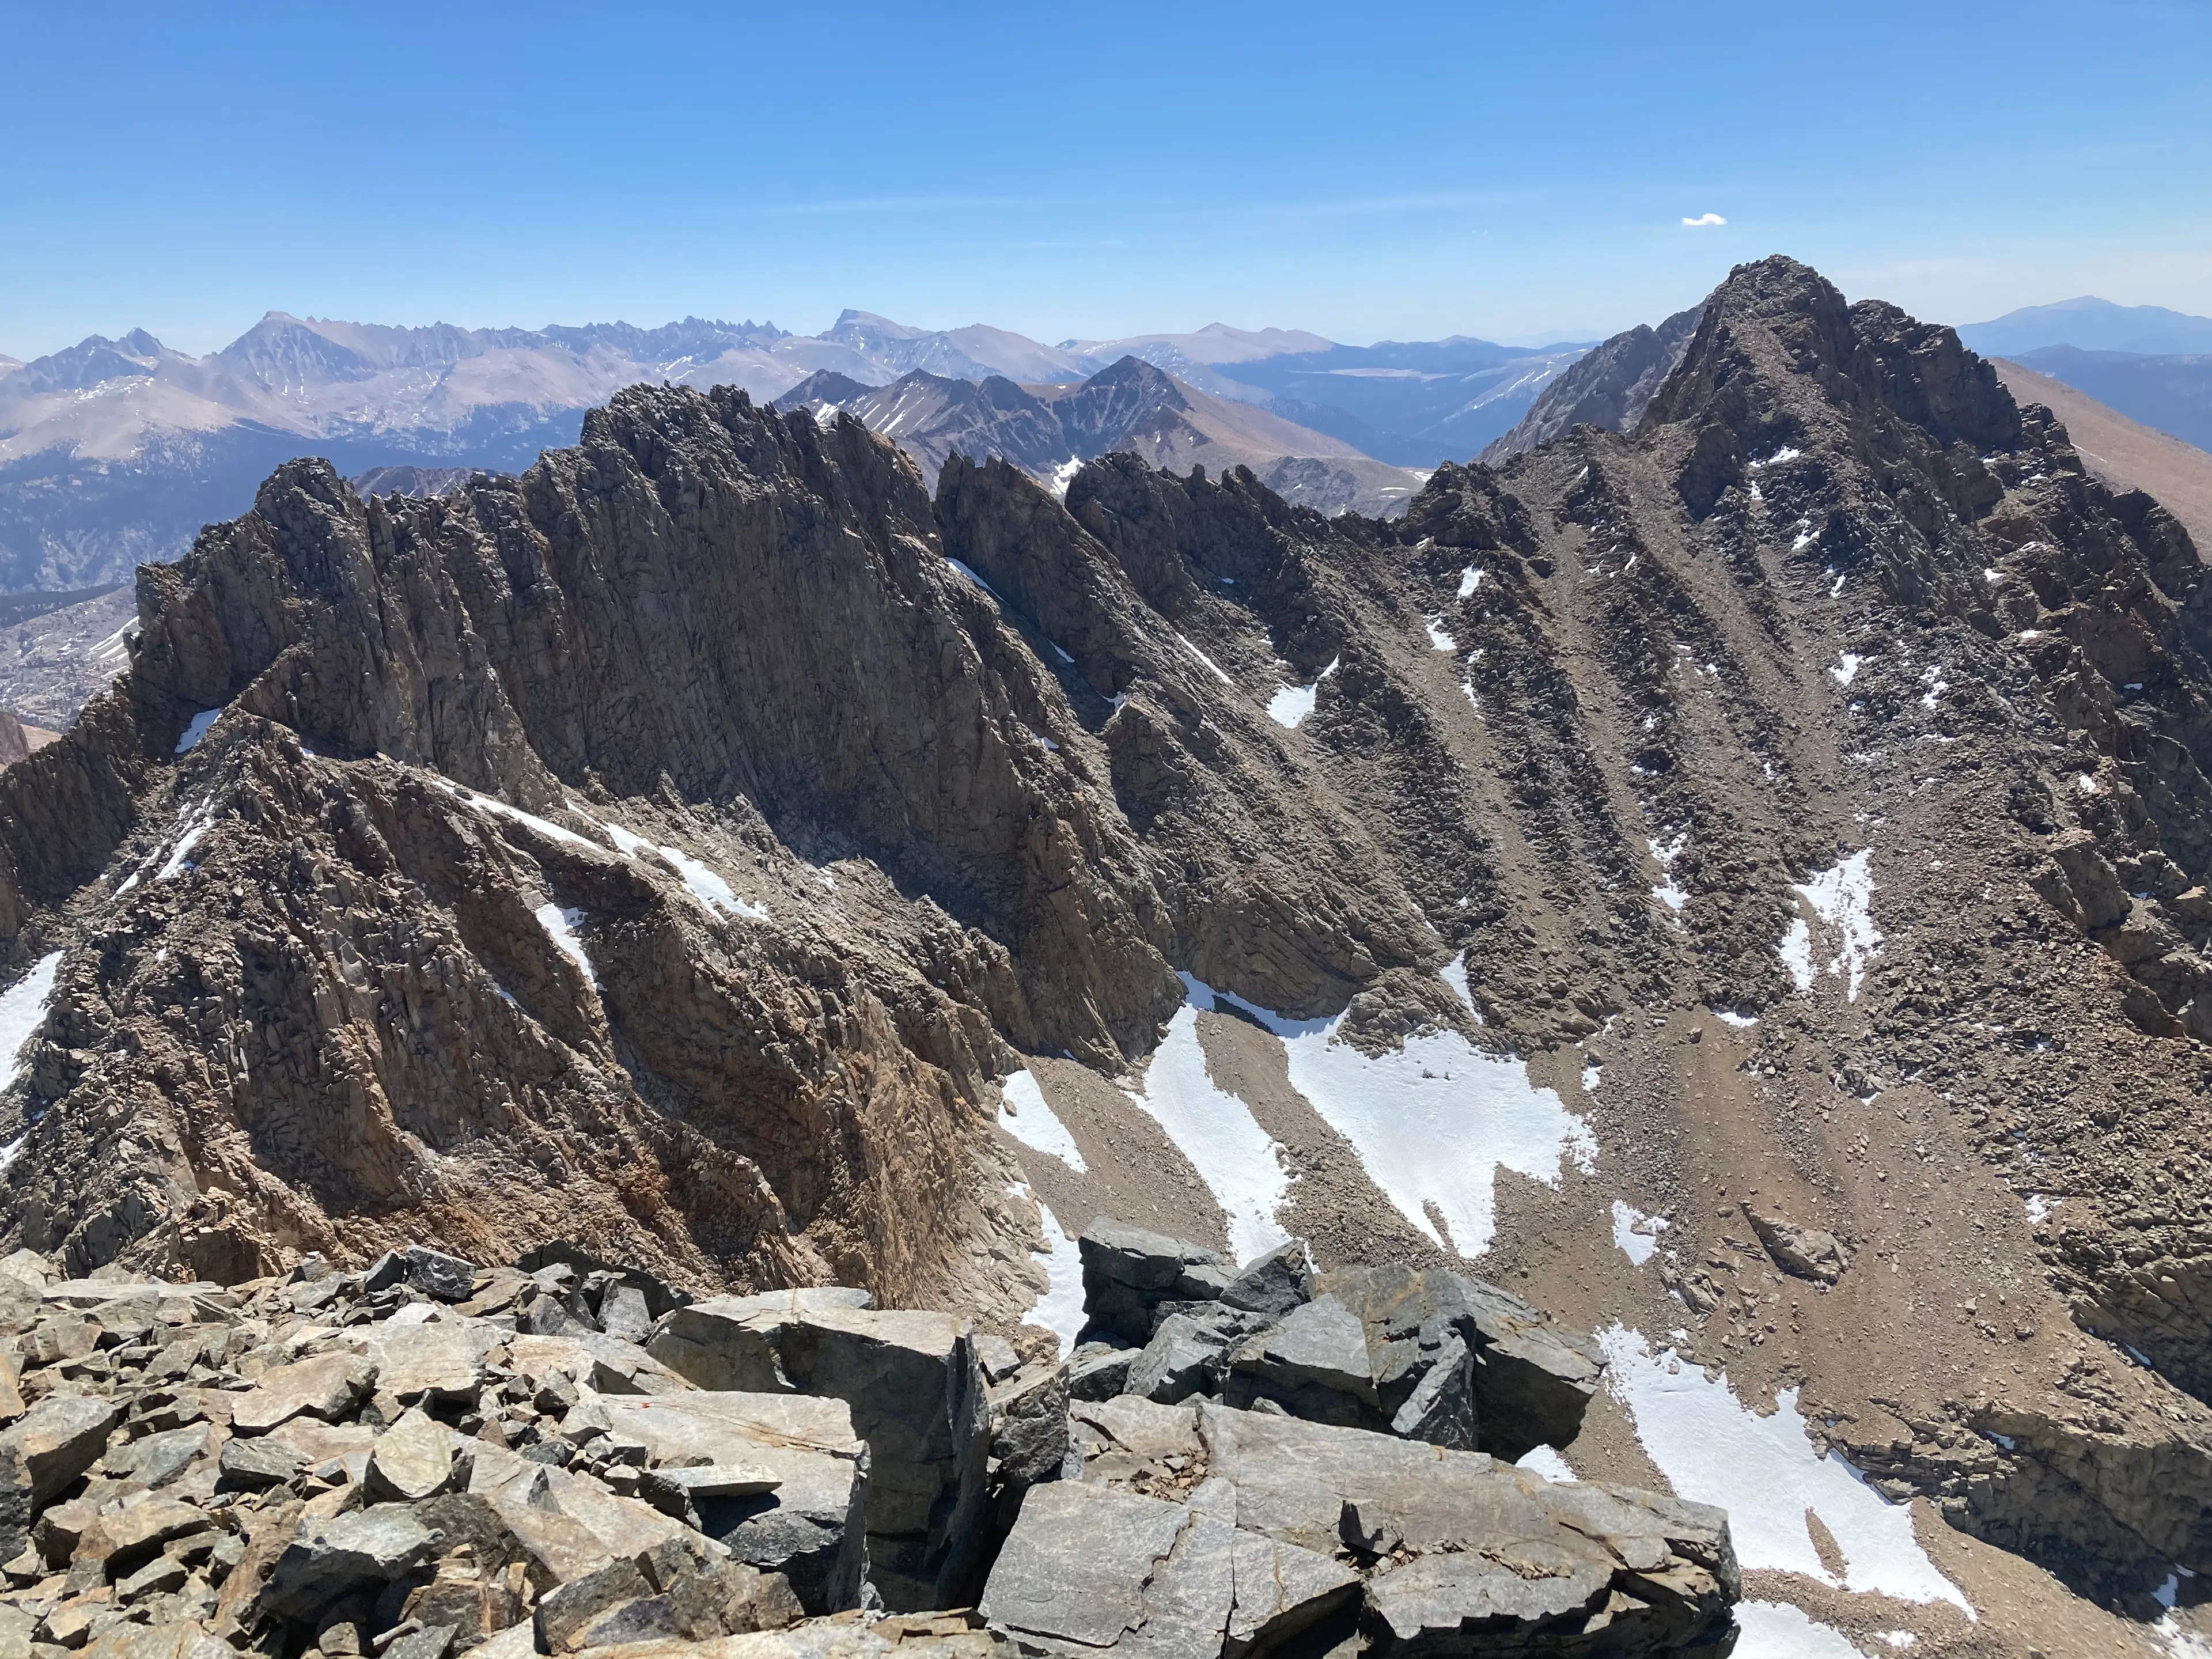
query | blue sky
(1519,172)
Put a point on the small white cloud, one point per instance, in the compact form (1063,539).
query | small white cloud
(1706,219)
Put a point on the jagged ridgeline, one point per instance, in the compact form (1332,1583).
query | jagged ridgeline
(673,848)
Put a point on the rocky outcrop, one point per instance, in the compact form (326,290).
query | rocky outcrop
(425,1458)
(1609,387)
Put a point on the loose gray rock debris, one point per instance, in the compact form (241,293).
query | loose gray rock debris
(418,1460)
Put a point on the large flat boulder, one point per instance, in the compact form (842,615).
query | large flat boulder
(1087,1569)
(1459,1547)
(45,1451)
(810,1525)
(917,1395)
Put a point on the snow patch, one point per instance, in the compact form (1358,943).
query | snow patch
(1064,475)
(1024,1114)
(561,927)
(970,574)
(1635,1233)
(1664,854)
(2039,1207)
(1432,1124)
(1240,1163)
(1469,580)
(1765,1472)
(197,730)
(22,1010)
(1842,899)
(1060,1309)
(1775,1630)
(1847,667)
(1547,1461)
(1292,703)
(1729,1017)
(1438,638)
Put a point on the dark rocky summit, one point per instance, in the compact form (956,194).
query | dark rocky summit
(680,848)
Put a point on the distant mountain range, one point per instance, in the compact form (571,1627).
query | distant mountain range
(116,451)
(1132,406)
(2090,324)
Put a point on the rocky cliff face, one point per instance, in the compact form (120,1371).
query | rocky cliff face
(1772,839)
(1610,387)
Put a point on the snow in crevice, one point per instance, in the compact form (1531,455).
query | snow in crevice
(970,574)
(1767,1473)
(1064,475)
(1060,1309)
(1433,1122)
(1469,580)
(1024,1114)
(22,1010)
(197,822)
(1636,1234)
(1211,666)
(1437,638)
(1840,901)
(1664,854)
(561,927)
(1729,1017)
(1292,703)
(197,730)
(500,809)
(1454,973)
(703,884)
(1239,1162)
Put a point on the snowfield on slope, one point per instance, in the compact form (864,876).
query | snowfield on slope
(1024,1114)
(1432,1124)
(1841,900)
(1766,1474)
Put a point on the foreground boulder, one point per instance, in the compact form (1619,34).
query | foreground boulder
(1423,1354)
(1200,1530)
(917,1396)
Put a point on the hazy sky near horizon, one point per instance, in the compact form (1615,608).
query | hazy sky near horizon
(1519,172)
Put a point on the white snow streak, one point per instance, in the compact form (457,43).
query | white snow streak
(1024,1114)
(1454,975)
(1432,1124)
(22,1008)
(1469,580)
(1766,1474)
(1438,638)
(973,577)
(500,809)
(1237,1160)
(1213,667)
(701,882)
(196,828)
(561,927)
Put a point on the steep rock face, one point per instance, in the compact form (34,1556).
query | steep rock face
(1610,387)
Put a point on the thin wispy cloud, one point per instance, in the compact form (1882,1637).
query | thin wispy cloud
(1706,219)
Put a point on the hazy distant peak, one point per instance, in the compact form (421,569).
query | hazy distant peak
(2090,324)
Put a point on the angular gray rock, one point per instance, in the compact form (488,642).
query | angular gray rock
(327,1560)
(1102,1571)
(53,1443)
(1275,1282)
(442,1277)
(1127,1271)
(1188,1355)
(917,1396)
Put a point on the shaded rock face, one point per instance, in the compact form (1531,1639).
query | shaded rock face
(1609,387)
